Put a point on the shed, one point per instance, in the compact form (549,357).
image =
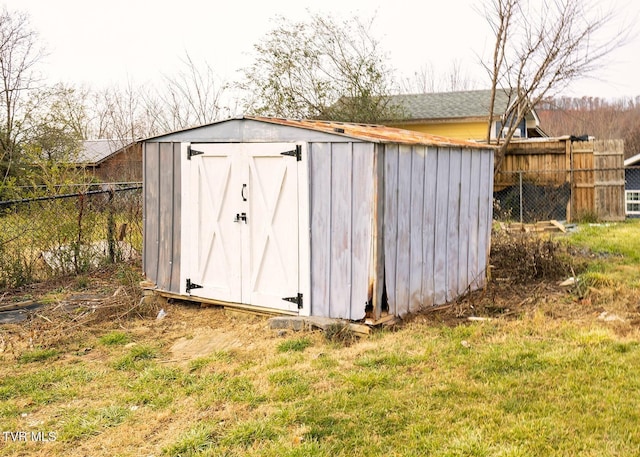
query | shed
(315,218)
(632,186)
(112,160)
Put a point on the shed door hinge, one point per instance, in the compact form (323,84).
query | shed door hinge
(297,153)
(192,152)
(297,300)
(192,285)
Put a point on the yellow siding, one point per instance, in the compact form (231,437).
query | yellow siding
(459,130)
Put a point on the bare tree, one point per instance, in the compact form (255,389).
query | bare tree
(599,117)
(19,55)
(540,47)
(191,97)
(120,113)
(423,81)
(427,80)
(320,68)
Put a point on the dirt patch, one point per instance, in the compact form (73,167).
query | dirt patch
(205,341)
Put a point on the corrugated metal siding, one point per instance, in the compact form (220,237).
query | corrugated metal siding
(161,249)
(342,183)
(437,224)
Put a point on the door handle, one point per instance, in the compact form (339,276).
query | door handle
(241,217)
(244,199)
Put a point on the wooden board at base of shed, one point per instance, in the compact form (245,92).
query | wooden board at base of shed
(207,302)
(541,226)
(149,290)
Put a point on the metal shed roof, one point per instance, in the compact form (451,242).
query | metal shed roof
(96,151)
(374,133)
(363,132)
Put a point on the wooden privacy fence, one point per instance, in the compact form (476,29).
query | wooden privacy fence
(563,177)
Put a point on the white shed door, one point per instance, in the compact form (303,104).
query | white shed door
(243,223)
(211,247)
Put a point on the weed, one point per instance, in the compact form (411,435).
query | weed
(289,385)
(114,338)
(195,441)
(294,345)
(156,386)
(137,354)
(388,360)
(38,355)
(46,385)
(250,433)
(82,282)
(340,333)
(596,279)
(82,424)
(522,257)
(201,362)
(130,277)
(218,388)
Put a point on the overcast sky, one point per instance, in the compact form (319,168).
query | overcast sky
(109,42)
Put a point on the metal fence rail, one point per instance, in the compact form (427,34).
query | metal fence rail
(68,230)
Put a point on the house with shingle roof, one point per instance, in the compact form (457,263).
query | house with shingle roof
(632,186)
(462,115)
(112,160)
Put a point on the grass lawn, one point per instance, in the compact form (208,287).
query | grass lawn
(213,382)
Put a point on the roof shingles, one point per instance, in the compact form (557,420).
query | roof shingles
(450,105)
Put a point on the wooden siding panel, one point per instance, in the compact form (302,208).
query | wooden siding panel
(151,223)
(391,222)
(429,226)
(465,221)
(485,216)
(378,234)
(453,224)
(166,216)
(177,218)
(161,248)
(475,184)
(441,233)
(320,183)
(416,214)
(341,224)
(361,230)
(342,187)
(403,220)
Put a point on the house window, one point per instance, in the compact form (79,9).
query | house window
(521,130)
(633,202)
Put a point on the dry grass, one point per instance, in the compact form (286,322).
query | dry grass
(549,374)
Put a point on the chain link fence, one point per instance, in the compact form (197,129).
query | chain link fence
(526,196)
(70,229)
(578,194)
